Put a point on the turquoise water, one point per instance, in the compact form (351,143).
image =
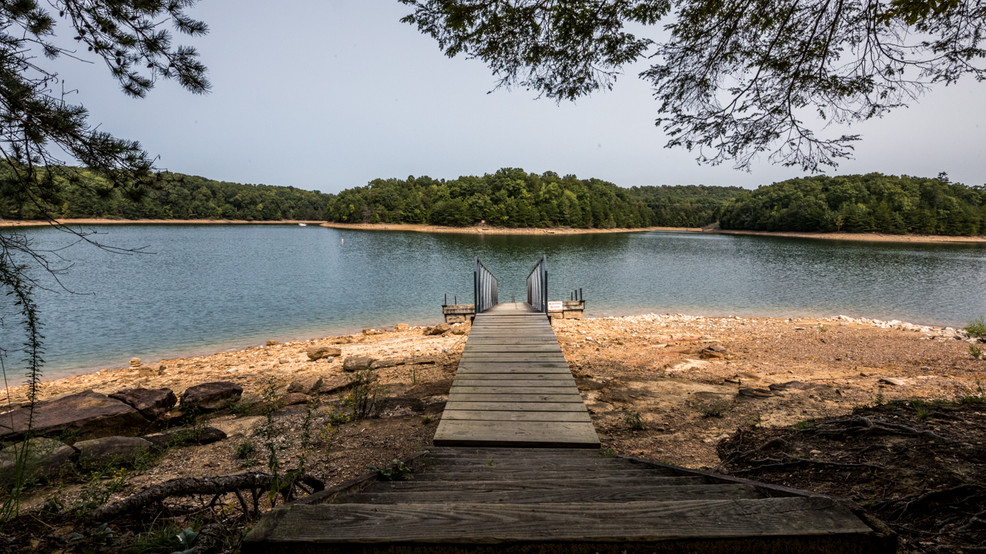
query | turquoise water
(199,289)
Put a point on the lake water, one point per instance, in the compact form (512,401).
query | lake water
(199,289)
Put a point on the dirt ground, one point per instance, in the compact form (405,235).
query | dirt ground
(671,388)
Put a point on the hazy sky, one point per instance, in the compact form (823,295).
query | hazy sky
(326,95)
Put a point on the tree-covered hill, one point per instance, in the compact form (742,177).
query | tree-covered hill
(515,198)
(82,193)
(861,203)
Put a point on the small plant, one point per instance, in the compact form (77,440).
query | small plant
(976,352)
(425,420)
(245,450)
(99,489)
(805,425)
(270,434)
(920,409)
(633,421)
(607,453)
(976,328)
(396,470)
(362,398)
(713,409)
(822,328)
(159,539)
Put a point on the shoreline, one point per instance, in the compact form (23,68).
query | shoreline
(490,230)
(100,376)
(106,221)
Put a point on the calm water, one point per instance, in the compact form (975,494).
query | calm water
(199,289)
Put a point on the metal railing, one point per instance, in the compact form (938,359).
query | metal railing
(484,288)
(537,285)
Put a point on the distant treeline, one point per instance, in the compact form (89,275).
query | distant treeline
(515,198)
(860,204)
(81,193)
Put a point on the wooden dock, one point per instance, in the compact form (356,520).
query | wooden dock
(513,387)
(516,468)
(562,500)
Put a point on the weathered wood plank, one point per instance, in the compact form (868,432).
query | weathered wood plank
(554,434)
(520,398)
(502,416)
(507,406)
(543,389)
(667,493)
(505,523)
(541,484)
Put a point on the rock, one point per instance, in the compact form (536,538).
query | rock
(372,332)
(211,396)
(311,385)
(46,458)
(83,415)
(437,329)
(151,403)
(401,327)
(181,436)
(357,363)
(116,451)
(755,393)
(384,364)
(272,343)
(713,352)
(891,381)
(293,398)
(334,384)
(320,352)
(135,363)
(461,329)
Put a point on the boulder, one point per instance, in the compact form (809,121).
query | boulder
(180,436)
(151,403)
(310,385)
(755,393)
(439,329)
(211,396)
(116,451)
(713,352)
(83,415)
(293,398)
(401,327)
(46,458)
(358,363)
(321,352)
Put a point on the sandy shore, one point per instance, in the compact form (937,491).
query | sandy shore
(99,221)
(489,230)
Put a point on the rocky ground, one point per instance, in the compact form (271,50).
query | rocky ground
(672,388)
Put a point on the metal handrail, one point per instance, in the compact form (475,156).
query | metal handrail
(537,285)
(484,288)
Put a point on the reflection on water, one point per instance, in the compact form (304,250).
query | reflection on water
(204,288)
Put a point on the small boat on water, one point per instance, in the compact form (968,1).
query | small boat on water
(302,225)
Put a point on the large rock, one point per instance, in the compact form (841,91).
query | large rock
(183,436)
(46,458)
(151,403)
(210,396)
(79,416)
(437,329)
(358,363)
(307,385)
(111,451)
(320,352)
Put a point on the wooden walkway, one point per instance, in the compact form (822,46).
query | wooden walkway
(561,500)
(513,387)
(507,475)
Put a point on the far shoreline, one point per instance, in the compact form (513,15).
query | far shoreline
(491,230)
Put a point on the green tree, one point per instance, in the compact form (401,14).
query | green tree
(734,78)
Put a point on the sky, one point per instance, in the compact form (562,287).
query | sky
(328,95)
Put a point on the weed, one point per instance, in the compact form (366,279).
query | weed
(822,328)
(270,434)
(102,484)
(920,409)
(805,425)
(245,450)
(633,421)
(608,453)
(306,430)
(160,539)
(362,397)
(713,409)
(425,420)
(976,328)
(879,400)
(393,472)
(976,352)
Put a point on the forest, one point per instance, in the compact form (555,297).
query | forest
(515,198)
(871,203)
(81,193)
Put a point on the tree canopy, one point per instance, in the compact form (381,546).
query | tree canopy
(861,203)
(733,78)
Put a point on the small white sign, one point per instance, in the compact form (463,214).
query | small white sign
(555,306)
